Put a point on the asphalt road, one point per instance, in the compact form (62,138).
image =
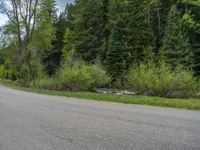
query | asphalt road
(40,122)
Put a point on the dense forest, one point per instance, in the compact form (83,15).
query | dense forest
(149,46)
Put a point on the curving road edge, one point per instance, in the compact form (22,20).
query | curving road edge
(40,122)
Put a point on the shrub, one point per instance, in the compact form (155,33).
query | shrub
(1,71)
(99,76)
(75,77)
(24,75)
(149,79)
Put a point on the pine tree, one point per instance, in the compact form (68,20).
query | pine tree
(48,20)
(176,47)
(191,22)
(105,29)
(131,35)
(54,56)
(159,13)
(89,22)
(139,29)
(117,53)
(48,11)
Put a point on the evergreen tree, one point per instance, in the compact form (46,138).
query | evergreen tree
(89,23)
(191,21)
(48,19)
(53,55)
(48,11)
(117,53)
(105,29)
(159,14)
(139,29)
(138,26)
(176,47)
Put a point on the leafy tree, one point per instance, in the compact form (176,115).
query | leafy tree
(21,26)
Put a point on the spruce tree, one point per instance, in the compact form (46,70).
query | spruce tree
(48,11)
(191,22)
(117,52)
(105,29)
(140,34)
(58,42)
(48,20)
(176,47)
(159,13)
(89,22)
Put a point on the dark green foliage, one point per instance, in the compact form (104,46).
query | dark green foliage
(191,22)
(53,55)
(117,55)
(159,13)
(118,33)
(176,47)
(89,22)
(139,32)
(196,47)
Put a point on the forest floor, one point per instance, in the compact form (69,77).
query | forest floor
(127,99)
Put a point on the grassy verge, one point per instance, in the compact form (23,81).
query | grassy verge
(143,100)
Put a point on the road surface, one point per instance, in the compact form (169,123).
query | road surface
(39,122)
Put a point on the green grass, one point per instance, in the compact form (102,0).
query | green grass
(143,100)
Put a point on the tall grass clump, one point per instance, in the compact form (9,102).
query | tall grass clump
(161,80)
(46,82)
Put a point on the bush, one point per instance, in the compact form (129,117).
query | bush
(23,75)
(1,71)
(75,77)
(80,76)
(149,79)
(99,76)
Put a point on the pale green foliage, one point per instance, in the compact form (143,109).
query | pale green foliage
(161,80)
(1,70)
(48,11)
(75,77)
(42,38)
(99,76)
(68,45)
(191,2)
(80,76)
(24,75)
(45,82)
(188,19)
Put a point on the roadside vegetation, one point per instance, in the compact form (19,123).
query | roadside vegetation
(77,76)
(145,46)
(193,104)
